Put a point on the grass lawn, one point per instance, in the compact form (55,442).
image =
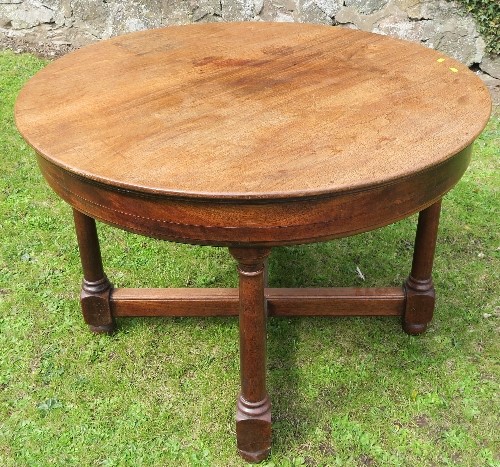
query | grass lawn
(161,392)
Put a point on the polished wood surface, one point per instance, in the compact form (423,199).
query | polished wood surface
(284,302)
(251,110)
(262,222)
(291,133)
(252,135)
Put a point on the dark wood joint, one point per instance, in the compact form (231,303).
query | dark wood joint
(96,309)
(250,260)
(419,308)
(253,429)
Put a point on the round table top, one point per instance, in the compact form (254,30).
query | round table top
(251,110)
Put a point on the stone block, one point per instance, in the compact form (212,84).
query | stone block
(366,7)
(329,7)
(175,12)
(491,65)
(27,15)
(206,10)
(440,24)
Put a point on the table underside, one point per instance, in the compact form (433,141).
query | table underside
(254,302)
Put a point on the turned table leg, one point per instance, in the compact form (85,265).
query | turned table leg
(420,295)
(96,287)
(253,415)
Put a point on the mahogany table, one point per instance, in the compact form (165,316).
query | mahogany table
(253,135)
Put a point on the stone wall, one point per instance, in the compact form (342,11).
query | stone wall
(436,23)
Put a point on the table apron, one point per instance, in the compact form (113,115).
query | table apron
(259,222)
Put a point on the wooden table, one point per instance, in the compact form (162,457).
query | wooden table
(253,135)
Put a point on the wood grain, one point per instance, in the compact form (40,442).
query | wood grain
(284,302)
(268,134)
(257,111)
(265,222)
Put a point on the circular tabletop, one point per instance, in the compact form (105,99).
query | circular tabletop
(251,113)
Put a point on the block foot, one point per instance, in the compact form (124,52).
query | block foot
(253,429)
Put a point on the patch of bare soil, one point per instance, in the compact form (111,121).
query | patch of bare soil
(43,50)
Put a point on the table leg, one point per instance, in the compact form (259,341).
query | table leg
(253,415)
(96,287)
(420,295)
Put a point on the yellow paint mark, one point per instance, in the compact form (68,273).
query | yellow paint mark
(454,70)
(441,60)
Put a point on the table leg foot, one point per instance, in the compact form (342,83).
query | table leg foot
(414,329)
(253,429)
(420,301)
(94,300)
(253,414)
(108,329)
(96,288)
(420,294)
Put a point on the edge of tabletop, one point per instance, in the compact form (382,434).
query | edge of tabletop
(244,197)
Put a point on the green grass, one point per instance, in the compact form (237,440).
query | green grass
(161,392)
(487,16)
